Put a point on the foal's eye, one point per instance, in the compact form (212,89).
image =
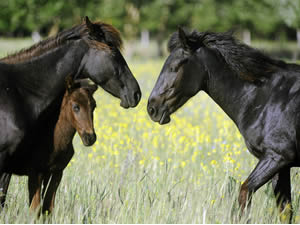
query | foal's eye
(76,108)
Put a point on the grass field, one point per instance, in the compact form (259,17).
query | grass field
(188,171)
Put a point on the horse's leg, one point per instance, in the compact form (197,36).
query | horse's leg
(8,145)
(281,183)
(49,190)
(4,183)
(263,172)
(34,187)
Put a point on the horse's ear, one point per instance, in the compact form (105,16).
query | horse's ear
(69,83)
(188,43)
(94,29)
(183,38)
(88,23)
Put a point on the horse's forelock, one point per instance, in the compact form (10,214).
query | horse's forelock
(194,39)
(112,35)
(98,45)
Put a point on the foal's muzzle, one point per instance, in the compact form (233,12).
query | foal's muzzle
(89,139)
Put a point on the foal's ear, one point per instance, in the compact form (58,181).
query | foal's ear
(87,84)
(69,83)
(92,88)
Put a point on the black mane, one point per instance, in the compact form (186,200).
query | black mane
(45,45)
(103,36)
(247,62)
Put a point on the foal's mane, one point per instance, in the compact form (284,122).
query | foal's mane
(248,63)
(110,38)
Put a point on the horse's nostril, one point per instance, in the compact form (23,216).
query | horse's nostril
(151,111)
(137,96)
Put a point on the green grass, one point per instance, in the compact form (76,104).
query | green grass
(188,171)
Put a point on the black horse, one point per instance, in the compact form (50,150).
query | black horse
(32,85)
(261,95)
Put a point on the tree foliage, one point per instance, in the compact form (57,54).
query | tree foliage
(159,17)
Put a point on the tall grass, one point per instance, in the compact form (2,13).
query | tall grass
(188,171)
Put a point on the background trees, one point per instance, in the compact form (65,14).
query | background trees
(271,19)
(289,12)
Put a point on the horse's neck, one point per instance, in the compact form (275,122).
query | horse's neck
(63,132)
(227,90)
(42,79)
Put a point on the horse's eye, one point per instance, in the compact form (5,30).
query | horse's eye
(174,68)
(177,66)
(76,108)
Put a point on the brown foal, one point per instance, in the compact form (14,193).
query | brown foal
(76,114)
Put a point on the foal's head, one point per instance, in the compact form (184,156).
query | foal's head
(78,105)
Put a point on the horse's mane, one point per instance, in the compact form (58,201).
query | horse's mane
(111,39)
(247,62)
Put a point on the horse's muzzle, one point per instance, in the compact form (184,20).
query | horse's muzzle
(158,114)
(131,99)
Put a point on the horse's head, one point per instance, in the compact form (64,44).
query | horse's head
(105,65)
(181,77)
(80,104)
